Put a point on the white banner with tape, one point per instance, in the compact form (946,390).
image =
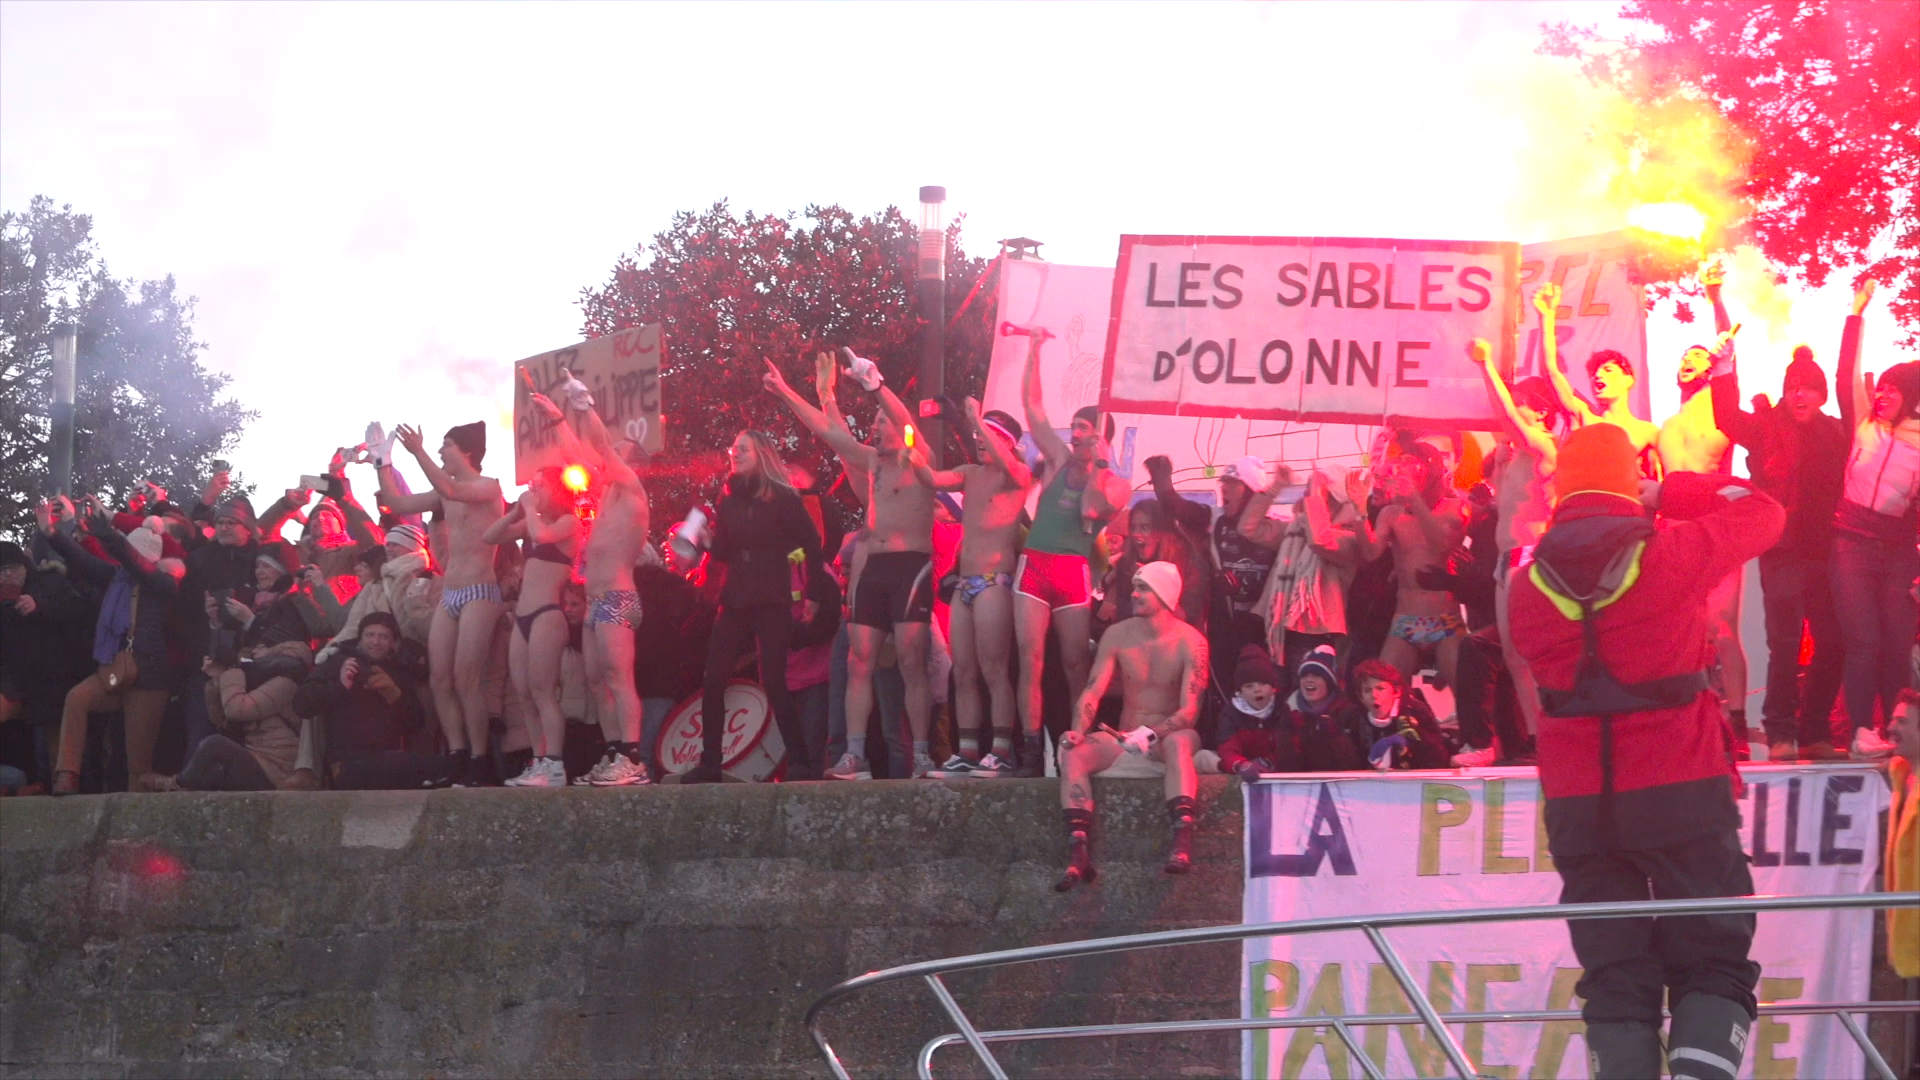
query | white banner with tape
(1328,846)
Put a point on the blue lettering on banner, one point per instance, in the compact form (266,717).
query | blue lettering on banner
(1326,838)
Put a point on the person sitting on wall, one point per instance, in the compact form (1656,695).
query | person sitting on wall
(1255,736)
(1162,663)
(1392,728)
(368,698)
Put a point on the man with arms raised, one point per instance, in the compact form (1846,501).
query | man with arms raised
(1691,441)
(1162,664)
(1053,582)
(894,590)
(982,622)
(461,638)
(1522,469)
(1421,525)
(614,544)
(1613,381)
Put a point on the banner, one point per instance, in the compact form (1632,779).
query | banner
(623,372)
(1346,845)
(1600,308)
(1291,328)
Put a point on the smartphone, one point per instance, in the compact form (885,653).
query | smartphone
(313,483)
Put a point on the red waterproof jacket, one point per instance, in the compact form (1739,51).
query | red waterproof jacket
(1672,774)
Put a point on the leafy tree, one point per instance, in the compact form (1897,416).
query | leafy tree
(145,408)
(1825,95)
(733,292)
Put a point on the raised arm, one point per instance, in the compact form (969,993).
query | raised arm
(1537,438)
(1044,437)
(360,524)
(835,435)
(998,456)
(480,489)
(1856,400)
(1545,300)
(940,480)
(1254,524)
(508,526)
(1336,545)
(1712,276)
(1738,425)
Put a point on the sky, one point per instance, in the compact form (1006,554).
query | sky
(380,206)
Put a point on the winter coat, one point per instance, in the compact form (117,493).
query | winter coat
(1671,770)
(210,567)
(1325,745)
(1425,747)
(670,645)
(1903,867)
(156,583)
(262,719)
(1800,465)
(44,654)
(751,539)
(406,589)
(359,722)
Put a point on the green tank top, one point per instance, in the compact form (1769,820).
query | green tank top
(1056,519)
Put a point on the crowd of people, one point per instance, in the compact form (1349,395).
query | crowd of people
(448,637)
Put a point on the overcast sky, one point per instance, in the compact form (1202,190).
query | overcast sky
(380,206)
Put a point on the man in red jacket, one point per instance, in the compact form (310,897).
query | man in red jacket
(1635,759)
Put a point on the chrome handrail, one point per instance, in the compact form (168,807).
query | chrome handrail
(1372,926)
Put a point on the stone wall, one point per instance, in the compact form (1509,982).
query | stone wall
(632,932)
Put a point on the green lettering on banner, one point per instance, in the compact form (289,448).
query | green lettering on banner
(1479,976)
(1328,998)
(1542,855)
(1555,1034)
(1493,833)
(1270,1001)
(1772,1031)
(1385,996)
(1459,807)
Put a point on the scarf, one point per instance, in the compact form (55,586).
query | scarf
(1241,704)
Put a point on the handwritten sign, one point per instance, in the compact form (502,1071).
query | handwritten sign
(1308,328)
(623,372)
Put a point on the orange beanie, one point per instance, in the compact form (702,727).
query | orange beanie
(1598,457)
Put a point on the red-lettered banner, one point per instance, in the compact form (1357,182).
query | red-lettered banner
(1309,328)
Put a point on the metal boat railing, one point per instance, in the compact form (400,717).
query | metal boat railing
(1374,927)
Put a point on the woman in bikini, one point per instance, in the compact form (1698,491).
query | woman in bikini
(543,518)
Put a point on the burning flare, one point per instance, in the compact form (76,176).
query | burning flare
(1680,220)
(576,478)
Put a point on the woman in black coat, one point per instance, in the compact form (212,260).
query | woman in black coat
(763,541)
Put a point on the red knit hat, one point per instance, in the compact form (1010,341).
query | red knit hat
(1598,457)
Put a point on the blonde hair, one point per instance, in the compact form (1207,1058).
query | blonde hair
(773,470)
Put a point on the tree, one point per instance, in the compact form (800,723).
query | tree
(732,293)
(144,407)
(1827,97)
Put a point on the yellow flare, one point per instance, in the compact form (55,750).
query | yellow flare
(1669,219)
(575,477)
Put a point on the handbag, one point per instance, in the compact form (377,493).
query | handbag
(120,673)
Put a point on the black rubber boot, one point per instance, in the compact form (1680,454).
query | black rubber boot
(1623,1051)
(1708,1038)
(1079,850)
(1180,810)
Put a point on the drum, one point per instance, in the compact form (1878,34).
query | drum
(751,748)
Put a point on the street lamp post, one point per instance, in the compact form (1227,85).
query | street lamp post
(60,453)
(933,311)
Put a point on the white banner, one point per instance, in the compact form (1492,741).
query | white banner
(1600,308)
(623,372)
(1340,846)
(1291,328)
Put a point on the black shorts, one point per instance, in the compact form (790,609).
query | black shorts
(895,587)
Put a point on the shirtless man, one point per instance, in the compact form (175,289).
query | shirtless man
(1691,441)
(893,593)
(461,638)
(614,545)
(982,614)
(1522,471)
(1613,380)
(1162,663)
(1053,582)
(1422,525)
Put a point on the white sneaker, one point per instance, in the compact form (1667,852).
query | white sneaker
(531,776)
(1868,745)
(542,773)
(923,766)
(618,770)
(992,767)
(1474,759)
(850,768)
